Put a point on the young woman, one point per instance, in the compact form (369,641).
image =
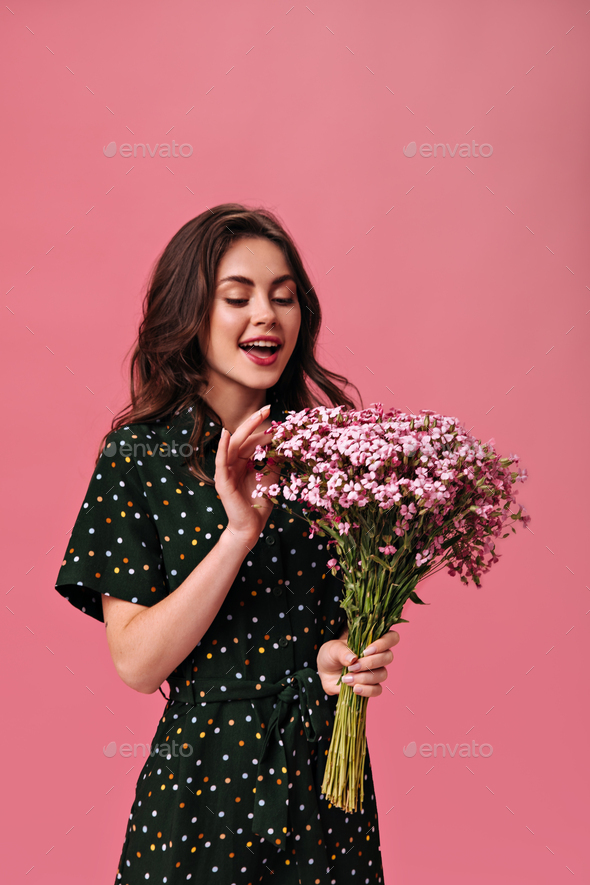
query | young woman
(231,604)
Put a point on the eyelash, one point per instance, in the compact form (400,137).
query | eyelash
(240,301)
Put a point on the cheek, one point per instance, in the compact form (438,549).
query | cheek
(294,327)
(225,330)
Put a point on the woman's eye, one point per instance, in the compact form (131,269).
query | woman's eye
(238,302)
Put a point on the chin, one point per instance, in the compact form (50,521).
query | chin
(260,380)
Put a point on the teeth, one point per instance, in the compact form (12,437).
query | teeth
(260,344)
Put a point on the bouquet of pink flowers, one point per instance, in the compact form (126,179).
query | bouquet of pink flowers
(400,497)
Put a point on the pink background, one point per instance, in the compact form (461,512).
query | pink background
(460,285)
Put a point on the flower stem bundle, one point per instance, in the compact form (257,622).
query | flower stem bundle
(400,497)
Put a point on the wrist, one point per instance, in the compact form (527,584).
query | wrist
(241,541)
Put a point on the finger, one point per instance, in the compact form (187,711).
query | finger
(245,429)
(368,677)
(257,438)
(370,662)
(345,655)
(221,456)
(339,656)
(368,691)
(385,642)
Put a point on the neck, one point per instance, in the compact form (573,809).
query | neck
(234,403)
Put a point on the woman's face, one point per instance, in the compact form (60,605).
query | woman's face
(254,318)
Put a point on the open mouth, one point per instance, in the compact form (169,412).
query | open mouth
(260,349)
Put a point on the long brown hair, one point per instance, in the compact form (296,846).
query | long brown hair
(168,370)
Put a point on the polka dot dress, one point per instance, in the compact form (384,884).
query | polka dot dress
(230,790)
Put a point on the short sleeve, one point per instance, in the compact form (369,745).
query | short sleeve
(114,547)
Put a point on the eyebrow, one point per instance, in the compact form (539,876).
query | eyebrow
(238,278)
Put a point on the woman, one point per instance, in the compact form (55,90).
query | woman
(229,602)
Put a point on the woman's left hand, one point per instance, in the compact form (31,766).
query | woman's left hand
(364,673)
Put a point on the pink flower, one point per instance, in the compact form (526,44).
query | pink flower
(332,563)
(423,474)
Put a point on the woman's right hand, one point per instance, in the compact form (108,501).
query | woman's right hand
(235,481)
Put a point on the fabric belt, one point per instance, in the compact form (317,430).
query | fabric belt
(280,798)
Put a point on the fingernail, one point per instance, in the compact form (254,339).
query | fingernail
(350,658)
(369,650)
(347,678)
(264,408)
(354,667)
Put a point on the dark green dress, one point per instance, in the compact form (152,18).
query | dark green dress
(231,789)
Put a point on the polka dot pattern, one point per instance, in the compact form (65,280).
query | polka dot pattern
(145,523)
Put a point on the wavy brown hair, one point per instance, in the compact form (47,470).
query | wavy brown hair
(168,370)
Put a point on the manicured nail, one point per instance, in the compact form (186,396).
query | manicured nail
(347,678)
(350,658)
(264,409)
(354,667)
(369,650)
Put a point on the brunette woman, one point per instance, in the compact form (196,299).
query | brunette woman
(231,604)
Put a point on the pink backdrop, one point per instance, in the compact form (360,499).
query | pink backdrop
(454,283)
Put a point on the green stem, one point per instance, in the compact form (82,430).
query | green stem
(343,783)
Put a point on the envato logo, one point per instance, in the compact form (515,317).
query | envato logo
(130,150)
(143,450)
(166,750)
(465,750)
(465,150)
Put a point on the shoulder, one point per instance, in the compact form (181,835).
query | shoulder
(148,452)
(136,440)
(129,433)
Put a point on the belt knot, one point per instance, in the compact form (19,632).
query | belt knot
(287,694)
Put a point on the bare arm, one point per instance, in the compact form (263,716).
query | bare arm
(148,642)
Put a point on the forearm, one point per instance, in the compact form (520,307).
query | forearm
(160,637)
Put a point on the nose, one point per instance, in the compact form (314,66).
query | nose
(263,312)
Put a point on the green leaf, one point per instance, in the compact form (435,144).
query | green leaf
(381,562)
(415,598)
